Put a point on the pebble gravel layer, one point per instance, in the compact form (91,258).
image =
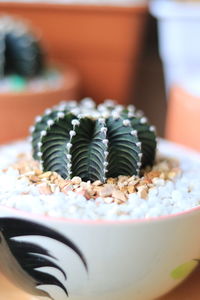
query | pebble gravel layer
(165,196)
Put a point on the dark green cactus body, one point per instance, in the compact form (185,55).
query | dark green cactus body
(146,135)
(93,143)
(54,146)
(123,149)
(88,150)
(20,51)
(41,124)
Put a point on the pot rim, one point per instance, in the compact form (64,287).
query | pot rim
(70,78)
(143,221)
(82,8)
(167,9)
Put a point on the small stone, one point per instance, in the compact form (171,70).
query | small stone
(131,189)
(142,182)
(53,188)
(163,175)
(123,188)
(53,177)
(34,178)
(67,188)
(76,180)
(142,192)
(171,174)
(44,189)
(158,181)
(38,172)
(97,183)
(45,175)
(106,190)
(133,180)
(87,195)
(108,200)
(112,180)
(118,195)
(96,189)
(152,174)
(122,178)
(61,183)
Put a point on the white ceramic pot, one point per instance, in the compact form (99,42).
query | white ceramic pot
(179,44)
(98,260)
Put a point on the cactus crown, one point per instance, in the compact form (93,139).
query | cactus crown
(94,143)
(20,51)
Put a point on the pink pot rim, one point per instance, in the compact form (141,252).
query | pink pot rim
(102,222)
(81,8)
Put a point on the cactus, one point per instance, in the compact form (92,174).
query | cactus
(20,51)
(94,143)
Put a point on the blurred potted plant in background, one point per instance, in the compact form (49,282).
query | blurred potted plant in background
(179,45)
(27,83)
(103,40)
(183,114)
(178,31)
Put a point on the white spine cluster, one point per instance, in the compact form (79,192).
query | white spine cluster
(88,103)
(143,120)
(109,103)
(49,123)
(126,122)
(102,121)
(31,129)
(38,119)
(103,131)
(152,128)
(131,108)
(105,142)
(60,115)
(48,111)
(134,132)
(72,133)
(115,115)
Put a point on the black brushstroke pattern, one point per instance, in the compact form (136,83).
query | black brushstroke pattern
(32,260)
(31,256)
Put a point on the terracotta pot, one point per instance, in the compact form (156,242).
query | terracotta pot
(183,118)
(103,42)
(18,110)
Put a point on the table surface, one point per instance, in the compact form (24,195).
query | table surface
(190,289)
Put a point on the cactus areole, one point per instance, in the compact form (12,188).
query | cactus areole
(93,142)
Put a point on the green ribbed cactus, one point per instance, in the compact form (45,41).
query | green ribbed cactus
(20,50)
(94,143)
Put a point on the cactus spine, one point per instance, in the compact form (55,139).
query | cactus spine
(94,143)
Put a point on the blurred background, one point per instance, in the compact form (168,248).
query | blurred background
(146,53)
